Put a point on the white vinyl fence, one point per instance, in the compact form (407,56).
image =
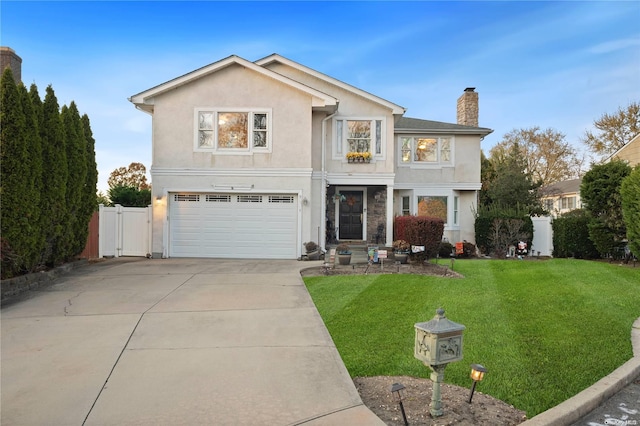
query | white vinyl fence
(542,236)
(125,231)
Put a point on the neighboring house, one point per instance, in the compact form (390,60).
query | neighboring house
(629,153)
(250,161)
(562,197)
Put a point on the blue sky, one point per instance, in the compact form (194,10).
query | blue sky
(557,65)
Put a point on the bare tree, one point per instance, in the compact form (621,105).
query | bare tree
(549,157)
(506,232)
(613,131)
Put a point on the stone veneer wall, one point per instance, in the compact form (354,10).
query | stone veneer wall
(376,213)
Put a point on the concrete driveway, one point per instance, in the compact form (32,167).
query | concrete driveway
(174,342)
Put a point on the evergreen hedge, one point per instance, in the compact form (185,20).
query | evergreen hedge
(630,192)
(571,236)
(49,177)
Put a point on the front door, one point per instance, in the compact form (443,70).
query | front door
(351,209)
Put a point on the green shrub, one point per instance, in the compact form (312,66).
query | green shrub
(445,249)
(571,236)
(630,190)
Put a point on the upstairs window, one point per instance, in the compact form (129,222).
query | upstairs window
(425,150)
(233,131)
(359,135)
(568,203)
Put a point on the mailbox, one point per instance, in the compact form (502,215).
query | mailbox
(439,341)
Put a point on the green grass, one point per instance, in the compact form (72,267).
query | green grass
(545,330)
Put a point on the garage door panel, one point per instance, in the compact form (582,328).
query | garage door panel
(233,226)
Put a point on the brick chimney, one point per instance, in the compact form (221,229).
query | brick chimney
(8,58)
(468,107)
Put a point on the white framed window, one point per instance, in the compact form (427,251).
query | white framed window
(568,203)
(359,134)
(456,201)
(232,130)
(433,206)
(406,206)
(425,150)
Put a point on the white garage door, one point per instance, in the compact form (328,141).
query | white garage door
(241,226)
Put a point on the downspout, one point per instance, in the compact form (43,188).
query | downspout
(323,184)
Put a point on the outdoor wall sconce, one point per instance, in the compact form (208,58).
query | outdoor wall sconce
(305,201)
(477,374)
(438,342)
(158,200)
(397,391)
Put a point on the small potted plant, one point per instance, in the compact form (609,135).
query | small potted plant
(313,251)
(344,254)
(401,250)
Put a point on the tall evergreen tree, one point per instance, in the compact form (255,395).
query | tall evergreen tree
(89,197)
(512,185)
(75,145)
(600,194)
(630,193)
(14,158)
(54,179)
(33,180)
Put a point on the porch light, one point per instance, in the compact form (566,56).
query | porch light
(477,374)
(158,200)
(397,391)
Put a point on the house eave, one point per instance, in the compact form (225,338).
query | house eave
(395,109)
(146,99)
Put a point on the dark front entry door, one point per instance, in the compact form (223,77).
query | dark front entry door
(351,216)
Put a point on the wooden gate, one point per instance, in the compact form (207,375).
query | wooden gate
(92,249)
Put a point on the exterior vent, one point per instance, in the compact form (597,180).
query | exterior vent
(218,198)
(284,199)
(249,198)
(186,197)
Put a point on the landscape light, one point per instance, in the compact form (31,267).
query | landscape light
(477,374)
(396,390)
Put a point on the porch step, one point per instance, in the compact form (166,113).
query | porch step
(359,251)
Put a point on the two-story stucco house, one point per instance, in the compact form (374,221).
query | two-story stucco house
(252,159)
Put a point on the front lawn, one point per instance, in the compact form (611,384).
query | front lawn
(545,330)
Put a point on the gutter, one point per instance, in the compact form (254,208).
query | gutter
(323,183)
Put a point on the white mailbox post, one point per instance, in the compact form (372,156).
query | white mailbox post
(438,342)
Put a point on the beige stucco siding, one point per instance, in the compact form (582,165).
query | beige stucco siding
(233,87)
(467,155)
(464,169)
(351,105)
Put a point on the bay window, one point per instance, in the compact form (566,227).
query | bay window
(233,130)
(425,150)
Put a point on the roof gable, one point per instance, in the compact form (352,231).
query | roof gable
(264,62)
(145,100)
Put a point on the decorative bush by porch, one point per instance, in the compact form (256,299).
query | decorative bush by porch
(420,231)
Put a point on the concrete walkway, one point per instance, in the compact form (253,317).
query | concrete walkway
(174,342)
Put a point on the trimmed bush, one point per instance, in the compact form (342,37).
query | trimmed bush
(629,191)
(421,231)
(445,249)
(571,236)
